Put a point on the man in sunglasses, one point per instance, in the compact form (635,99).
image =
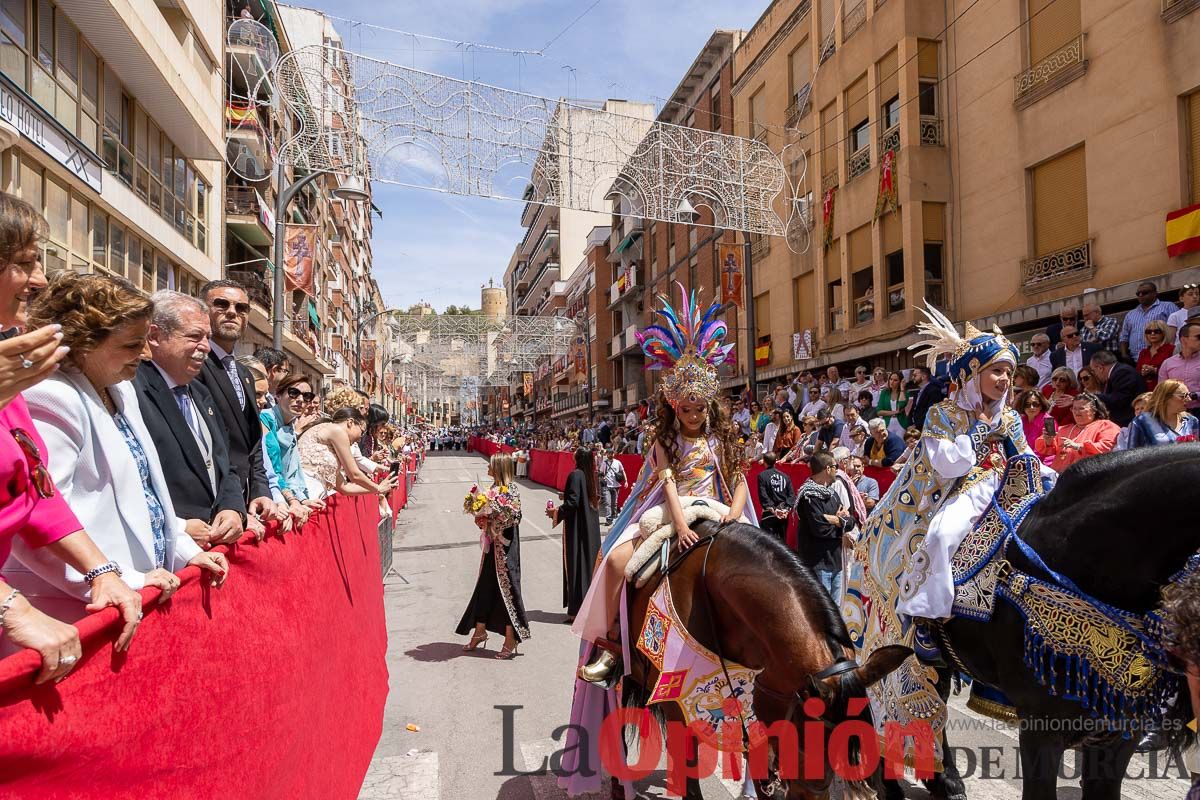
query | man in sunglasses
(182,418)
(1133,327)
(232,388)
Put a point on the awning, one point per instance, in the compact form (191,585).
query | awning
(627,242)
(312,314)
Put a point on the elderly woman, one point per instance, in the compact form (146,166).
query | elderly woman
(1157,350)
(102,458)
(327,462)
(1060,393)
(1166,420)
(1091,433)
(31,507)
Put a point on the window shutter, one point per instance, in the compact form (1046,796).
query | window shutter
(1060,203)
(1052,24)
(893,236)
(828,14)
(860,248)
(927,58)
(889,78)
(829,138)
(801,66)
(856,102)
(758,112)
(1193,111)
(933,222)
(762,315)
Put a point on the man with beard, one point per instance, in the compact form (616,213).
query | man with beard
(232,389)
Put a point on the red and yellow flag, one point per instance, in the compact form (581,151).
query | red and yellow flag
(1183,231)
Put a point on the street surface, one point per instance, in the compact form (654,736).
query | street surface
(451,695)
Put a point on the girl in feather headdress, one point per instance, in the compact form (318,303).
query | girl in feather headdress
(693,452)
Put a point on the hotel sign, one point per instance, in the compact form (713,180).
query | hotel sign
(39,127)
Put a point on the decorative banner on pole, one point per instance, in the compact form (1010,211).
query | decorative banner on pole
(827,217)
(527,383)
(729,256)
(580,356)
(802,345)
(887,200)
(367,355)
(389,383)
(299,257)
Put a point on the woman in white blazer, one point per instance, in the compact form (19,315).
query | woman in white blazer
(100,454)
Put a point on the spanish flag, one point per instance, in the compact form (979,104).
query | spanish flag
(762,354)
(1183,231)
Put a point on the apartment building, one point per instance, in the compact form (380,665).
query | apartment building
(580,384)
(1035,150)
(118,146)
(647,257)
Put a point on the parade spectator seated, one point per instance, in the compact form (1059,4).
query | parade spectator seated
(788,435)
(911,437)
(867,486)
(1140,404)
(1189,300)
(1121,384)
(1087,380)
(1024,378)
(830,431)
(1068,317)
(1157,350)
(854,419)
(1090,434)
(1033,407)
(865,404)
(754,450)
(1185,365)
(1060,393)
(1166,420)
(859,437)
(100,454)
(885,446)
(1099,330)
(1133,327)
(1072,352)
(1040,360)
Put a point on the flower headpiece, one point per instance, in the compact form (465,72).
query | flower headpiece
(969,354)
(689,345)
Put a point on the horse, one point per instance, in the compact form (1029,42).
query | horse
(1118,526)
(747,597)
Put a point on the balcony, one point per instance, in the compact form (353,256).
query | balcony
(853,19)
(858,162)
(623,342)
(931,131)
(1051,73)
(759,247)
(250,53)
(247,215)
(570,403)
(1054,269)
(627,284)
(890,140)
(828,47)
(1173,10)
(800,105)
(522,280)
(256,282)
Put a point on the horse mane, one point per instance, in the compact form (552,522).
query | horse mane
(783,564)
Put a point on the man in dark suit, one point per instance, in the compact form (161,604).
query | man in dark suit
(1121,384)
(1074,353)
(232,388)
(929,395)
(777,496)
(182,418)
(1067,317)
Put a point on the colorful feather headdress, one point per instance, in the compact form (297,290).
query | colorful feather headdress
(689,345)
(969,354)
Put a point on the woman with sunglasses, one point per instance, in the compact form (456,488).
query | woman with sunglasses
(103,459)
(30,506)
(1166,419)
(1060,393)
(1091,433)
(1157,350)
(292,398)
(1034,408)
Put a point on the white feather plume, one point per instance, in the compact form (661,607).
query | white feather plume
(942,337)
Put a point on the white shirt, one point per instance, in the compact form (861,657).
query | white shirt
(1177,320)
(1074,358)
(631,420)
(1042,365)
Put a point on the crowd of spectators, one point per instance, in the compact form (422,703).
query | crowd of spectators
(133,441)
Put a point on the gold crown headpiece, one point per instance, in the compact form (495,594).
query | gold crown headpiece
(689,345)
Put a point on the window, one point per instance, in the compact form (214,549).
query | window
(116,249)
(888,90)
(862,275)
(100,240)
(829,141)
(1052,25)
(933,229)
(714,99)
(670,245)
(891,113)
(1060,203)
(834,296)
(758,114)
(13,45)
(762,315)
(1193,144)
(893,261)
(860,136)
(693,273)
(857,113)
(927,73)
(799,69)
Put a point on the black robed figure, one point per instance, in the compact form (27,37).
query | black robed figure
(580,513)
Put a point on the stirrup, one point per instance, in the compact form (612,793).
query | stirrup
(604,669)
(926,642)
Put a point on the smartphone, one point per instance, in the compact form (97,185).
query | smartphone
(1048,424)
(395,470)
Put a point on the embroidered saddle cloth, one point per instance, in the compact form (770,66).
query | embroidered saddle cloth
(690,675)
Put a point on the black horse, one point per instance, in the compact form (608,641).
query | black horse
(1120,526)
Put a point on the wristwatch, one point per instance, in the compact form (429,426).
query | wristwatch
(92,574)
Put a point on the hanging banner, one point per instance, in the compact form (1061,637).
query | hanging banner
(827,217)
(580,356)
(887,200)
(527,383)
(367,355)
(762,353)
(389,383)
(300,257)
(1183,231)
(729,256)
(802,345)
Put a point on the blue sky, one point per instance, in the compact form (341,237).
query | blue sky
(439,248)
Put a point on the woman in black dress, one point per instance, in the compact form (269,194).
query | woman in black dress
(496,604)
(581,539)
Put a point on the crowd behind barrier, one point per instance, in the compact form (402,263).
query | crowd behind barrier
(235,691)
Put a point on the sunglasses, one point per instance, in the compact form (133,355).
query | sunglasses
(1070,335)
(1149,331)
(221,304)
(1144,292)
(293,393)
(41,476)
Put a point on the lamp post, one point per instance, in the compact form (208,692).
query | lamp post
(352,189)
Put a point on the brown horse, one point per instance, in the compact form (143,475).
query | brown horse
(747,597)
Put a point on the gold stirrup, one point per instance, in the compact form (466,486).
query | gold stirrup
(598,670)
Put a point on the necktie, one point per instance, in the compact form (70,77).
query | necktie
(231,370)
(185,407)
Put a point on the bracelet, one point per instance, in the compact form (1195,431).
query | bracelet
(665,474)
(7,604)
(92,574)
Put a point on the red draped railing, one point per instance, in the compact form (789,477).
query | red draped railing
(272,685)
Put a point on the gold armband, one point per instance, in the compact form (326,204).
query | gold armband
(666,474)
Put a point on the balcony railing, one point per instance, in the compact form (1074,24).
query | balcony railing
(256,284)
(241,201)
(1062,266)
(800,105)
(890,140)
(1173,10)
(760,247)
(858,162)
(853,19)
(1052,72)
(828,47)
(931,130)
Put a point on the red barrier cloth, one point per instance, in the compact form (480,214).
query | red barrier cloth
(272,686)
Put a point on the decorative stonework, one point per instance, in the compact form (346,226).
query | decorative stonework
(931,130)
(1062,266)
(1056,70)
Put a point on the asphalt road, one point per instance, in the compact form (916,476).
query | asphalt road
(469,748)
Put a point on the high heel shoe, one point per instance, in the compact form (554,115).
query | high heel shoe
(478,640)
(505,654)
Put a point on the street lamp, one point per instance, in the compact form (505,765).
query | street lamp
(352,189)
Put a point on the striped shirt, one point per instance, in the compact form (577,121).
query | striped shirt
(1133,329)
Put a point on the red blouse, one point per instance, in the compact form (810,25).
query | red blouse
(1156,360)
